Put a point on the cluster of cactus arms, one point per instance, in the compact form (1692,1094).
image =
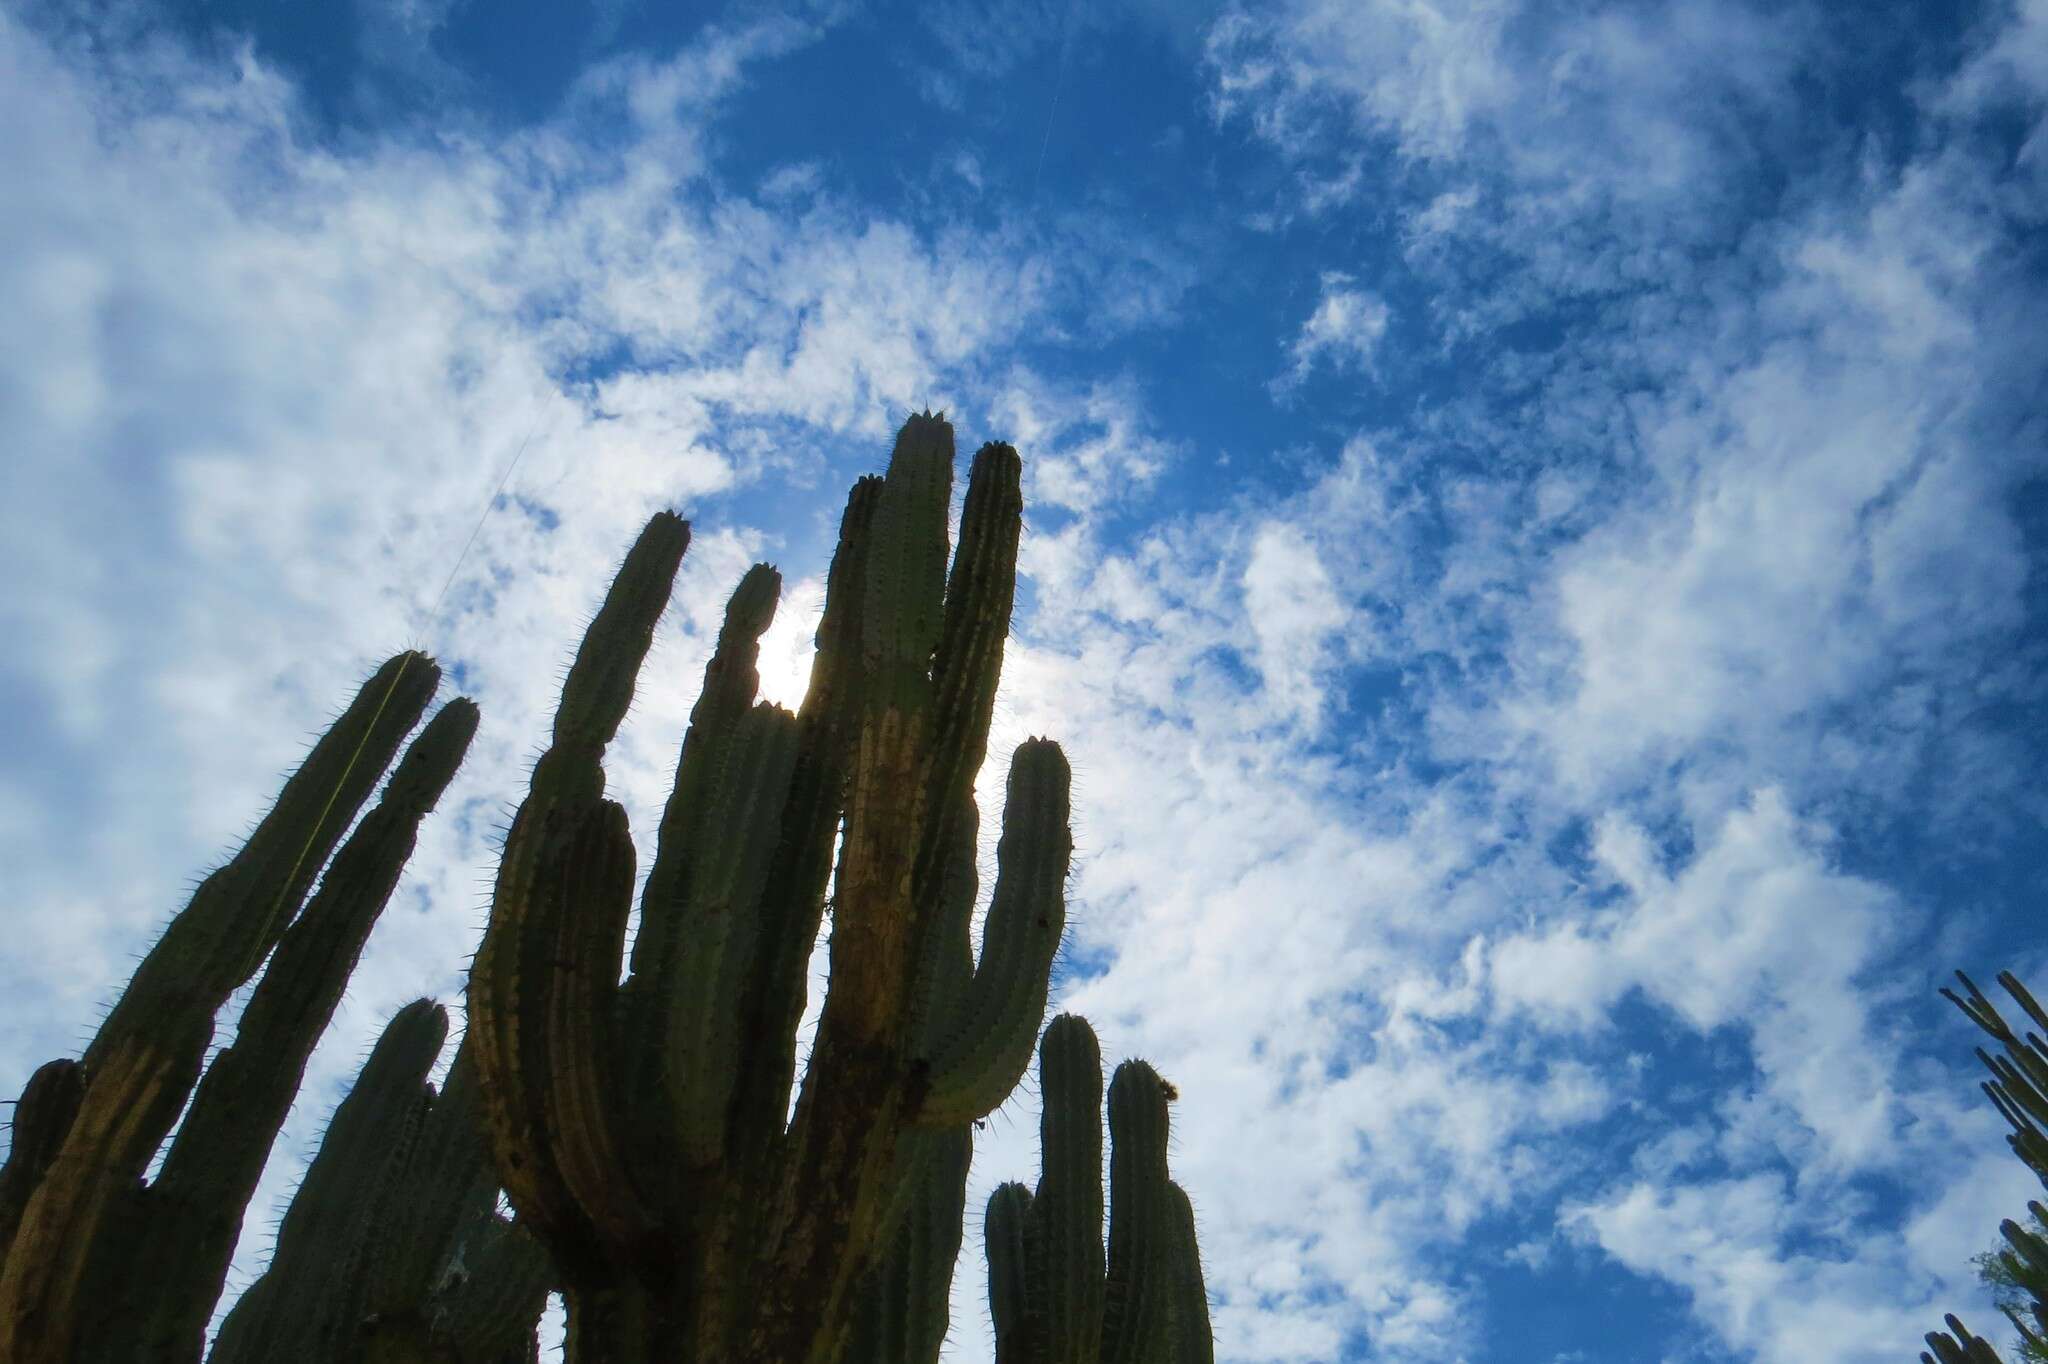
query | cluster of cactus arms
(97,1263)
(644,1129)
(1053,1297)
(2019,1088)
(392,1251)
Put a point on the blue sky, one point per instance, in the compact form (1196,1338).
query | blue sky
(1536,554)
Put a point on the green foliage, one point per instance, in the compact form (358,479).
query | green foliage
(643,1128)
(97,1264)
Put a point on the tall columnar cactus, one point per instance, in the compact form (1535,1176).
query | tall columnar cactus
(392,1251)
(99,1266)
(1053,1298)
(642,1129)
(2018,1087)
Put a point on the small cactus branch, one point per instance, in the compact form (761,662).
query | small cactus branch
(1137,1315)
(980,596)
(424,1269)
(1006,1239)
(740,830)
(308,1302)
(988,1043)
(1193,1339)
(904,609)
(543,986)
(793,901)
(448,1182)
(42,1117)
(1958,1346)
(541,997)
(447,1278)
(685,839)
(599,685)
(1066,1212)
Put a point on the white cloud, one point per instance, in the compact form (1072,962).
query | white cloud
(1345,330)
(1293,612)
(1729,1244)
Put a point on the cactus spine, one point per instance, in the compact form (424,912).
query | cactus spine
(1052,1296)
(96,1265)
(640,1127)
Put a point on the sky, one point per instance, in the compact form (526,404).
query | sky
(1536,549)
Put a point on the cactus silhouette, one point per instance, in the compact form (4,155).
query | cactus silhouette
(392,1249)
(1054,1297)
(2018,1088)
(96,1264)
(643,1129)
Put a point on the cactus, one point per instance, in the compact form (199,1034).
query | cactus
(98,1265)
(392,1250)
(1053,1298)
(2018,1088)
(642,1129)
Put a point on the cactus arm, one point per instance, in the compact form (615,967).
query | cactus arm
(684,840)
(1006,1239)
(980,596)
(904,608)
(740,830)
(176,1262)
(1066,1213)
(599,685)
(541,1010)
(42,1117)
(447,1183)
(1137,1314)
(965,671)
(1960,1347)
(540,990)
(449,1278)
(147,1055)
(792,903)
(308,1302)
(1194,1341)
(237,914)
(989,1042)
(905,1306)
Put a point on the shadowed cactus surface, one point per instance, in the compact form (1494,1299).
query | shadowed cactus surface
(393,1251)
(1053,1294)
(96,1264)
(643,1129)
